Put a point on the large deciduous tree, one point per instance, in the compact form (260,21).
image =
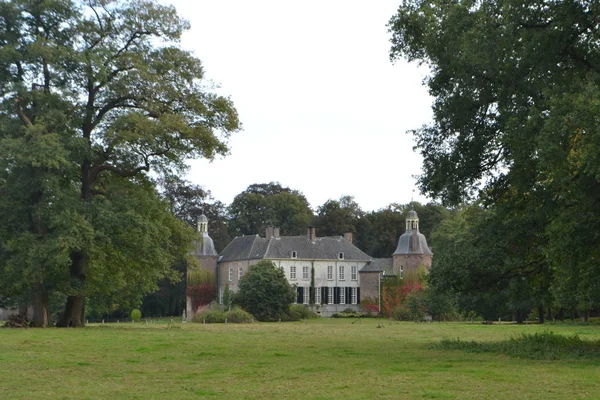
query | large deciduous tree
(100,94)
(270,204)
(516,88)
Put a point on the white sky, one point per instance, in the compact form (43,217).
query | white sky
(323,109)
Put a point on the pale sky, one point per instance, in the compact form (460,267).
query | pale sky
(323,109)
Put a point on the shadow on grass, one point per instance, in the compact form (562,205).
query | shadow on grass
(539,346)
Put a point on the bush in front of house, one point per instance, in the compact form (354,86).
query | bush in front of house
(264,292)
(300,311)
(238,316)
(216,314)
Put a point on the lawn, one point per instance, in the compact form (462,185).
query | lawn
(319,359)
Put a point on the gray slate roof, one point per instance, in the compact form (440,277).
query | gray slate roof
(379,265)
(204,247)
(412,242)
(323,248)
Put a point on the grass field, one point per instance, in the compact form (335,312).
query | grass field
(320,359)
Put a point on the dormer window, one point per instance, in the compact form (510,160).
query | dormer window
(340,256)
(294,254)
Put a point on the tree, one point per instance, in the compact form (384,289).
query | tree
(265,292)
(516,91)
(271,204)
(107,95)
(336,217)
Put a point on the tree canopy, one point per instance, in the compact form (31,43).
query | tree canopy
(95,96)
(516,89)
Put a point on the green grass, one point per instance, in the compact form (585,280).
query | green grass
(317,359)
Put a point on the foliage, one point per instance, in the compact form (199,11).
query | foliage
(238,316)
(216,314)
(369,305)
(263,205)
(544,345)
(136,315)
(515,89)
(299,312)
(100,94)
(265,292)
(394,291)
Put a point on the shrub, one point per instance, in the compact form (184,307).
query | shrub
(136,315)
(211,316)
(541,345)
(264,291)
(299,311)
(239,316)
(401,313)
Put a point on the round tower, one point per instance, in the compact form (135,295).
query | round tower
(412,251)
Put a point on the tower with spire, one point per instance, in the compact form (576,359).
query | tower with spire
(412,251)
(205,253)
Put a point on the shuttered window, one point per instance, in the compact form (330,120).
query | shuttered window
(306,295)
(342,295)
(353,295)
(329,295)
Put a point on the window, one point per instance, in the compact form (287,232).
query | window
(340,256)
(353,295)
(353,274)
(306,295)
(318,295)
(401,272)
(330,272)
(342,295)
(230,274)
(305,273)
(220,295)
(240,272)
(294,254)
(293,272)
(341,274)
(329,295)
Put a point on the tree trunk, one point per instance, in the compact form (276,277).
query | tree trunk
(586,316)
(519,317)
(541,313)
(40,306)
(550,317)
(75,307)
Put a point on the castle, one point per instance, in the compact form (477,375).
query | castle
(343,274)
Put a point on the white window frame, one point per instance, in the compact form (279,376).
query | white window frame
(340,256)
(401,272)
(354,273)
(342,295)
(240,272)
(294,254)
(318,295)
(293,273)
(330,272)
(220,295)
(329,295)
(230,274)
(353,295)
(341,273)
(306,293)
(305,272)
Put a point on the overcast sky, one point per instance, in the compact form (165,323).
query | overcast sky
(323,109)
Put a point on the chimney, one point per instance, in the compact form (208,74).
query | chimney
(269,232)
(311,233)
(276,232)
(348,236)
